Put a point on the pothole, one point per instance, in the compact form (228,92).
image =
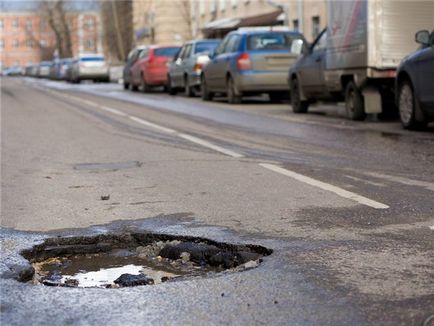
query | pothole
(124,260)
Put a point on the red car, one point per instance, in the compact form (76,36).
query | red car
(150,69)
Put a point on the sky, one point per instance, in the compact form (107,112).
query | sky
(29,5)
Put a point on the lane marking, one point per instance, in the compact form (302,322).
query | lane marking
(325,186)
(210,145)
(190,138)
(403,180)
(432,227)
(111,110)
(152,125)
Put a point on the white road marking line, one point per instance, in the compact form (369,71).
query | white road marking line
(325,186)
(193,139)
(432,227)
(403,180)
(210,145)
(365,181)
(152,125)
(111,110)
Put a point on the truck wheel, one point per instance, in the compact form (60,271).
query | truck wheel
(354,103)
(206,94)
(407,107)
(233,95)
(298,106)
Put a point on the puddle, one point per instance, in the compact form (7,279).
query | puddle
(112,261)
(107,166)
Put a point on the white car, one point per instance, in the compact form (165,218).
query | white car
(90,67)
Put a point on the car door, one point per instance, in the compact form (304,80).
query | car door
(424,74)
(175,67)
(184,63)
(311,69)
(213,72)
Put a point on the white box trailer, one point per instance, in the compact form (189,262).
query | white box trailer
(366,41)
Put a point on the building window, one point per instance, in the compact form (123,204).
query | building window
(43,25)
(315,27)
(43,43)
(295,25)
(213,6)
(89,23)
(202,7)
(1,24)
(2,44)
(246,2)
(15,43)
(234,3)
(28,24)
(29,43)
(89,44)
(222,5)
(15,23)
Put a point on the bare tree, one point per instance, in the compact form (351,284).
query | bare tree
(117,22)
(54,12)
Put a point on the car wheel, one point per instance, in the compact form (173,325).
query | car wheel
(206,94)
(298,106)
(354,104)
(134,88)
(407,107)
(126,85)
(170,89)
(233,95)
(145,87)
(187,89)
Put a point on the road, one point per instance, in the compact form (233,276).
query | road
(347,207)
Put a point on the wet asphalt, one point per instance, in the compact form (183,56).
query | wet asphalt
(335,262)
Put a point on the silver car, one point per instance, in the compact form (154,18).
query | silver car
(44,69)
(90,67)
(186,67)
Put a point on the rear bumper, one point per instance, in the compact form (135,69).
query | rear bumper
(248,81)
(156,78)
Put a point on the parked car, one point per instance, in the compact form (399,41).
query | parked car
(150,69)
(63,68)
(131,59)
(251,61)
(89,67)
(415,84)
(44,69)
(186,67)
(54,69)
(12,71)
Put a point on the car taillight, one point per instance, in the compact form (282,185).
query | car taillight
(243,62)
(198,67)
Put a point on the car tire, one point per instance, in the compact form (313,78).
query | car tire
(187,88)
(144,86)
(354,103)
(134,88)
(407,107)
(126,86)
(206,94)
(298,106)
(170,89)
(233,95)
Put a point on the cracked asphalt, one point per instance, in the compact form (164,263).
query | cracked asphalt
(336,261)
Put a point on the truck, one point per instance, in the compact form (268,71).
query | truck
(354,59)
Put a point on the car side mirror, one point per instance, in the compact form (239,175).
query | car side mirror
(422,37)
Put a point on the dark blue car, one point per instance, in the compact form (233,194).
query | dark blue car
(415,84)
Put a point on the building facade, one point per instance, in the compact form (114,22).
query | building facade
(175,21)
(26,37)
(162,21)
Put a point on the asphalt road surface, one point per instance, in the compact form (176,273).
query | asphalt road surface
(347,207)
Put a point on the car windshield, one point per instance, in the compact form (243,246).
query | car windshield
(205,47)
(275,41)
(92,59)
(166,52)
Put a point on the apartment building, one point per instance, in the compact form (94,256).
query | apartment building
(26,37)
(162,21)
(214,18)
(175,21)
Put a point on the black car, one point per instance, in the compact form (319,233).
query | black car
(415,84)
